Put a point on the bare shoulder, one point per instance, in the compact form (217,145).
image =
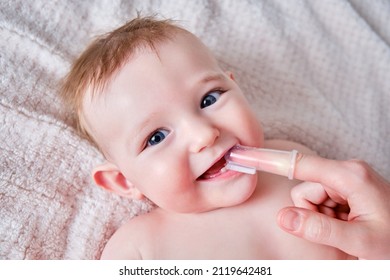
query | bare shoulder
(279,144)
(124,243)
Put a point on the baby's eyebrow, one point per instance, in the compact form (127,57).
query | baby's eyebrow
(146,122)
(212,77)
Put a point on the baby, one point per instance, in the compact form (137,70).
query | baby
(155,101)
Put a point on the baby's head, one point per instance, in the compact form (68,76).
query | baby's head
(155,101)
(95,67)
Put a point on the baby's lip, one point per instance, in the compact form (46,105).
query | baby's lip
(216,169)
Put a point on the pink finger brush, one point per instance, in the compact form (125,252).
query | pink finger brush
(249,160)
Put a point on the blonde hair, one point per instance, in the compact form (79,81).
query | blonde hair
(106,55)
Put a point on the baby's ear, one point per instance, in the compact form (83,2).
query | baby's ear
(109,177)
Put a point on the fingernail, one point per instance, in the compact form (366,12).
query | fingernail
(291,220)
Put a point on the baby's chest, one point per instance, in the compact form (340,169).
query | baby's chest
(233,238)
(236,241)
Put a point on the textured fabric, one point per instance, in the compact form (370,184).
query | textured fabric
(316,72)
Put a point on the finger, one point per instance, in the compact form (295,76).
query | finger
(308,195)
(319,228)
(353,183)
(330,203)
(330,212)
(329,173)
(313,196)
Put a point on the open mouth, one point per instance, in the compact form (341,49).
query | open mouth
(215,170)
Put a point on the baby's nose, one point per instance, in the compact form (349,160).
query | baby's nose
(203,135)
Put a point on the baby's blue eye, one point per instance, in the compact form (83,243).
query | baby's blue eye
(210,98)
(157,137)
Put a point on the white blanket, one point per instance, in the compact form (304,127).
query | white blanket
(316,72)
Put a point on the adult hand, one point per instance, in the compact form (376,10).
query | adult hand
(344,204)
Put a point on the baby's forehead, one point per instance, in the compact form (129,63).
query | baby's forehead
(183,50)
(146,48)
(172,50)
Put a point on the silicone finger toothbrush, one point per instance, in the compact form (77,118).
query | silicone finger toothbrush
(249,160)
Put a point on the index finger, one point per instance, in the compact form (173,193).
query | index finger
(331,173)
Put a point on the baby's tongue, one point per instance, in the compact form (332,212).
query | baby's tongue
(214,169)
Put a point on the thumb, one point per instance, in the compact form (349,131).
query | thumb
(318,228)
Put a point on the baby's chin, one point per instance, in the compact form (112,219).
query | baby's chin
(226,193)
(240,191)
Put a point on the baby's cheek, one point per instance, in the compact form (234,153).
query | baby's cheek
(251,130)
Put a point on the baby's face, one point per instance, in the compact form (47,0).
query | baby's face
(167,119)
